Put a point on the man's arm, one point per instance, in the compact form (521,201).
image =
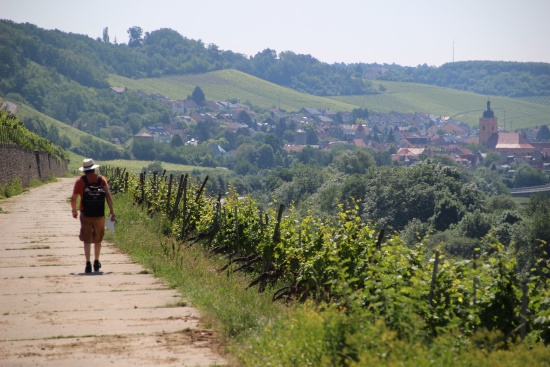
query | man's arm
(73,205)
(109,199)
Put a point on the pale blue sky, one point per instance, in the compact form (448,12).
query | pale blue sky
(405,32)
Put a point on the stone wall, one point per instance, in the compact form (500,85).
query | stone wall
(28,165)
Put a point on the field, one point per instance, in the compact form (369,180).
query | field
(544,100)
(227,85)
(463,106)
(397,97)
(137,166)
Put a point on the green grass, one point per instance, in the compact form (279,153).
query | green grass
(544,100)
(13,188)
(224,302)
(463,106)
(225,85)
(136,166)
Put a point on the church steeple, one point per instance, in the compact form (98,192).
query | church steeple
(488,125)
(489,113)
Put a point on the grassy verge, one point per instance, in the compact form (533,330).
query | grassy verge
(225,303)
(258,332)
(15,187)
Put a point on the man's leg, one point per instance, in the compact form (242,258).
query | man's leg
(87,251)
(97,251)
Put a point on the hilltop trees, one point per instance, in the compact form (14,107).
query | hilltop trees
(135,33)
(105,37)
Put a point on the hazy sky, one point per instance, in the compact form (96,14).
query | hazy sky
(405,32)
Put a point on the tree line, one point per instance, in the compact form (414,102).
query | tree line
(166,52)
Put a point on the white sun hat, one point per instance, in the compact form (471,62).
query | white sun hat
(88,165)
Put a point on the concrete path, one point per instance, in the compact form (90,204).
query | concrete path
(53,314)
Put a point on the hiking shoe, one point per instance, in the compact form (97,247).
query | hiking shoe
(97,265)
(88,267)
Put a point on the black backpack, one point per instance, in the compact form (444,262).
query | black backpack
(93,200)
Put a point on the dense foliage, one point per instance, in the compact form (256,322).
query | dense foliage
(505,78)
(166,52)
(13,132)
(359,275)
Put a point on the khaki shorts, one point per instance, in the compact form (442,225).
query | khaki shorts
(92,229)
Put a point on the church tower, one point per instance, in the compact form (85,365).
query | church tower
(487,125)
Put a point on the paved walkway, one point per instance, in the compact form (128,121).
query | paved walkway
(53,314)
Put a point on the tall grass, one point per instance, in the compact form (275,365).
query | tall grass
(13,188)
(222,297)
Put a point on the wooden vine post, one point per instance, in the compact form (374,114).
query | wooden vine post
(182,183)
(380,239)
(126,182)
(169,196)
(142,186)
(524,306)
(434,276)
(268,251)
(237,242)
(475,279)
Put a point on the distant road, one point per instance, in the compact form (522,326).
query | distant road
(530,190)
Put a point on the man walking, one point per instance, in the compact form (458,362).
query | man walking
(93,190)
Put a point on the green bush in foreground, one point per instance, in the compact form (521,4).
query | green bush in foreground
(333,338)
(14,188)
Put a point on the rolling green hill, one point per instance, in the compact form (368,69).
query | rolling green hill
(80,141)
(397,97)
(226,85)
(463,106)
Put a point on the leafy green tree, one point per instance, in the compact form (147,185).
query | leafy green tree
(105,37)
(544,133)
(135,36)
(538,223)
(474,224)
(311,134)
(265,156)
(198,96)
(274,141)
(356,162)
(447,211)
(243,167)
(155,166)
(414,232)
(177,141)
(497,204)
(529,176)
(353,190)
(245,118)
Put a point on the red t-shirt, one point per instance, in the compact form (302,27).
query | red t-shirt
(80,185)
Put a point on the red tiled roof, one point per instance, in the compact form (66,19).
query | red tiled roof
(294,148)
(508,141)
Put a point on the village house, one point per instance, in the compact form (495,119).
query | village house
(155,134)
(408,156)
